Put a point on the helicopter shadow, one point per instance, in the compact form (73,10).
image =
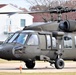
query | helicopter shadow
(68,68)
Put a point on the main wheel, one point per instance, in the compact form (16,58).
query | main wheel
(59,63)
(30,64)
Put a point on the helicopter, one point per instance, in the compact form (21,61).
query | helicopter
(53,42)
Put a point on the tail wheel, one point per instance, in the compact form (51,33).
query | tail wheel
(59,63)
(30,64)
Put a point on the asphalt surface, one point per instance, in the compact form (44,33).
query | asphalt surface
(39,67)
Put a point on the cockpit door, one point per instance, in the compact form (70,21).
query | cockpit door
(32,46)
(42,41)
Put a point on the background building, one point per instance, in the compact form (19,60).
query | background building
(14,22)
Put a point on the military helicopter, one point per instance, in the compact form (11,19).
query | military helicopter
(53,42)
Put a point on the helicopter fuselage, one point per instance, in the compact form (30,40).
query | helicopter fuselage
(38,46)
(45,43)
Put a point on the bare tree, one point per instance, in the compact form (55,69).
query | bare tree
(70,3)
(45,4)
(38,5)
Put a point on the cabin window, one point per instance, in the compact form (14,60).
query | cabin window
(33,40)
(22,22)
(75,41)
(54,42)
(48,39)
(49,42)
(67,42)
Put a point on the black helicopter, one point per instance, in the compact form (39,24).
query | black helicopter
(53,42)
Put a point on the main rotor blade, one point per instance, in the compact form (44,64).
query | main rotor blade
(52,10)
(33,12)
(10,13)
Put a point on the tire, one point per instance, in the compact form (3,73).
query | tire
(30,64)
(59,63)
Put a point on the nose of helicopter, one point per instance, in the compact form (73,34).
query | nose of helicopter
(6,52)
(2,51)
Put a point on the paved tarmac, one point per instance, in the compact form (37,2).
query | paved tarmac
(39,67)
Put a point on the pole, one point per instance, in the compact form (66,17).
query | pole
(20,68)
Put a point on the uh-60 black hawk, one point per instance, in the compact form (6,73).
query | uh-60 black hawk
(53,42)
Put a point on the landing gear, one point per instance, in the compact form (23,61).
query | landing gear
(30,64)
(59,63)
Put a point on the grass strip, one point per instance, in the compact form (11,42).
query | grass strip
(68,73)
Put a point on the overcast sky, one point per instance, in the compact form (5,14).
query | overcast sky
(19,3)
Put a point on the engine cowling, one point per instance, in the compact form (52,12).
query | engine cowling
(68,25)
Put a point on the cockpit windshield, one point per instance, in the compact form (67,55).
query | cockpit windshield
(17,37)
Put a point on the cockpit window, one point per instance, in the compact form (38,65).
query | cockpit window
(18,37)
(13,38)
(67,42)
(9,37)
(21,38)
(33,40)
